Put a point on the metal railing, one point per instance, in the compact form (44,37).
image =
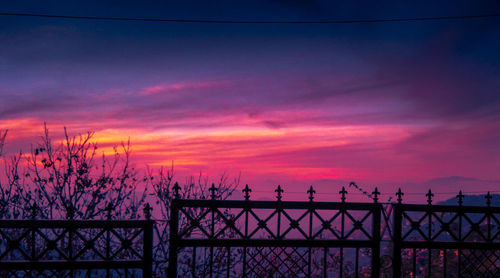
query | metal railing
(246,238)
(446,241)
(35,247)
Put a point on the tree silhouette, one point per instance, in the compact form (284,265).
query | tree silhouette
(3,135)
(69,179)
(164,191)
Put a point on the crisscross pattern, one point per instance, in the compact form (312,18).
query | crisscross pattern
(27,246)
(446,241)
(274,238)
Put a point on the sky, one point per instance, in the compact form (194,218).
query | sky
(382,104)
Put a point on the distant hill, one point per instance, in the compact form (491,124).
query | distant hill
(474,200)
(452,179)
(457,183)
(446,188)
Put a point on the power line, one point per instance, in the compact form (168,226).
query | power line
(383,194)
(176,20)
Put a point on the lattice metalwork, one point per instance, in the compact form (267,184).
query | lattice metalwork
(446,241)
(275,238)
(42,248)
(485,263)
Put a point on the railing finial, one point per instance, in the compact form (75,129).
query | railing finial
(147,211)
(460,197)
(70,212)
(311,192)
(343,192)
(429,197)
(488,199)
(247,191)
(375,195)
(34,210)
(400,194)
(176,190)
(212,189)
(108,209)
(279,190)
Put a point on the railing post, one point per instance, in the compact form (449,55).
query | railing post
(172,250)
(396,255)
(148,249)
(148,243)
(376,241)
(109,210)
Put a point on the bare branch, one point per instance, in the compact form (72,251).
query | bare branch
(3,135)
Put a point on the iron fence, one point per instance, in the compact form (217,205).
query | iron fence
(213,238)
(446,241)
(75,248)
(274,238)
(246,238)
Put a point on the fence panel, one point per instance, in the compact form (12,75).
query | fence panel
(211,238)
(446,241)
(75,248)
(229,238)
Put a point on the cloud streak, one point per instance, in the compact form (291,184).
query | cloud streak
(374,103)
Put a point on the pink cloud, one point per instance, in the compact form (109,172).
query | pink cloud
(185,86)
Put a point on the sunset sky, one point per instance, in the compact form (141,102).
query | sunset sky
(378,103)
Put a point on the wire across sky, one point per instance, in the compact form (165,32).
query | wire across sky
(386,94)
(178,20)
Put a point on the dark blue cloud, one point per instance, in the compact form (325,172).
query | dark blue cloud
(434,70)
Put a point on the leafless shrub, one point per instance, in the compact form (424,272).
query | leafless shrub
(69,179)
(163,185)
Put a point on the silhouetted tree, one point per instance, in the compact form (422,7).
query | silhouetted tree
(163,184)
(3,134)
(68,179)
